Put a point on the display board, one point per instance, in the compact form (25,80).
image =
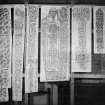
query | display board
(99,31)
(81,39)
(55,43)
(31,71)
(18,50)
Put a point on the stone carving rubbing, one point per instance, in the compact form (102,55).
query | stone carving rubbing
(55,43)
(99,37)
(31,71)
(81,39)
(18,50)
(5,51)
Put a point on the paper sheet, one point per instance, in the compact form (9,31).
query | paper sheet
(55,43)
(99,29)
(18,50)
(5,43)
(81,39)
(31,71)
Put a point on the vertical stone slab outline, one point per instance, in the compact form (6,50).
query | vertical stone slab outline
(18,50)
(81,39)
(31,72)
(55,43)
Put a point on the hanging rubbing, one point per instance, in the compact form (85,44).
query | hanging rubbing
(99,31)
(81,39)
(31,72)
(18,50)
(55,43)
(5,46)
